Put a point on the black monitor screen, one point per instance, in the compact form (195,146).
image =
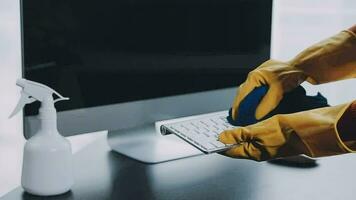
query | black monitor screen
(112,51)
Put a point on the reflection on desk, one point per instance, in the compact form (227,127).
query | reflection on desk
(103,174)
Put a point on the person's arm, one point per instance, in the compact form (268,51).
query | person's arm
(347,123)
(316,133)
(330,60)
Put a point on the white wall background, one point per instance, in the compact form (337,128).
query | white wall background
(296,25)
(11,140)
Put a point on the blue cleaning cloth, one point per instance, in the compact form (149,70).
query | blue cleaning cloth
(293,101)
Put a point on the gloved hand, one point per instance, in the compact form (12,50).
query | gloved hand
(329,60)
(312,133)
(294,101)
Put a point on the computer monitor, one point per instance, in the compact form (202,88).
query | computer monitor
(128,63)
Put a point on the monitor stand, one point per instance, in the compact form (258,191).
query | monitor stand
(145,145)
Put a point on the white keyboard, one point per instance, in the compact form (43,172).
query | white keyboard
(202,131)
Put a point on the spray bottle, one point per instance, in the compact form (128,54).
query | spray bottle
(47,158)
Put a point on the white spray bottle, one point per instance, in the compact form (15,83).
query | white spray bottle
(47,159)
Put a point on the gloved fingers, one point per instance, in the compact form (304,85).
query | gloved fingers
(259,142)
(270,101)
(227,137)
(244,89)
(237,152)
(234,136)
(245,151)
(238,137)
(253,81)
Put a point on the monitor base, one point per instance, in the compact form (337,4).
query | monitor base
(145,145)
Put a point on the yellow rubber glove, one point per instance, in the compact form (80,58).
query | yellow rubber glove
(329,60)
(312,133)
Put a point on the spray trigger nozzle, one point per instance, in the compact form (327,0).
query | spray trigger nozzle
(32,91)
(61,99)
(25,99)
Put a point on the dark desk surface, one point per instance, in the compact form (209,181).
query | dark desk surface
(102,174)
